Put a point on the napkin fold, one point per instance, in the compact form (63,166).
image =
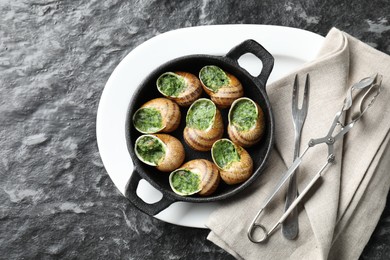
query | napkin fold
(340,214)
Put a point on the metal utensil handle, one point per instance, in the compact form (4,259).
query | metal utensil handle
(290,227)
(284,178)
(304,192)
(259,227)
(254,226)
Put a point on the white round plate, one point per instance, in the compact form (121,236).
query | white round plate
(290,47)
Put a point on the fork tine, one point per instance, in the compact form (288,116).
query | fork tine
(305,101)
(295,95)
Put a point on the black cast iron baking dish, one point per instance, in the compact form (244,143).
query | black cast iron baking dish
(254,88)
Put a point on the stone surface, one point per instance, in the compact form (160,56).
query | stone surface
(56,199)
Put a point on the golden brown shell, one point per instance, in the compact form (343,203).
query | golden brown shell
(208,172)
(247,138)
(202,140)
(174,155)
(225,95)
(237,172)
(192,91)
(170,113)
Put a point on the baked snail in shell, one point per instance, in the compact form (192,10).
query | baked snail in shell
(182,87)
(222,87)
(203,125)
(198,176)
(157,115)
(163,151)
(234,162)
(246,122)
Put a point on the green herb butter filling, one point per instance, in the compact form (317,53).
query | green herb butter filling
(148,120)
(243,115)
(171,84)
(201,114)
(213,77)
(185,182)
(150,149)
(224,153)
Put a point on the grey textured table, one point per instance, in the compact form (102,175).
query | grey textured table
(56,199)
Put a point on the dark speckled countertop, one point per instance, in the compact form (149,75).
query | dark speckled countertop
(56,199)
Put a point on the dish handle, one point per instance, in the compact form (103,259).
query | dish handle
(251,46)
(150,209)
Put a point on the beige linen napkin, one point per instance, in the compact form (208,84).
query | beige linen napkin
(338,219)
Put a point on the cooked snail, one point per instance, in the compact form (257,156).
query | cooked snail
(246,122)
(157,115)
(233,161)
(182,87)
(203,125)
(197,176)
(222,87)
(160,150)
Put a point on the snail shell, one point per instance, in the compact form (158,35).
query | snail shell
(207,172)
(198,138)
(168,113)
(253,129)
(170,151)
(225,89)
(190,86)
(235,170)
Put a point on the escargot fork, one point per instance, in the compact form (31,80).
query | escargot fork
(290,227)
(372,87)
